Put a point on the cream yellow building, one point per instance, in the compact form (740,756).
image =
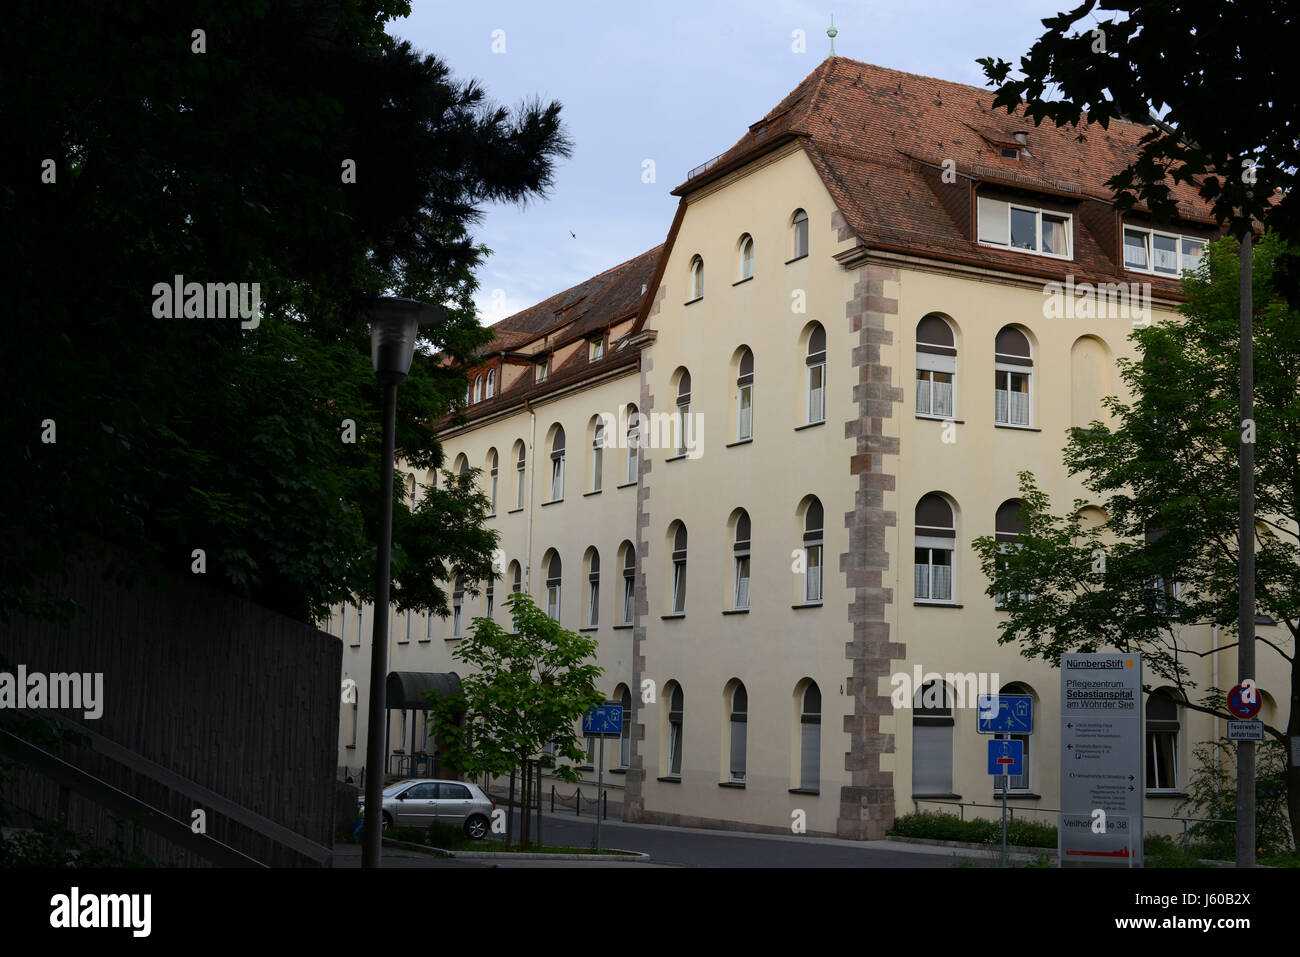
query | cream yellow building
(869,315)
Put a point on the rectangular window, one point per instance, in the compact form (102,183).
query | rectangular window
(557,478)
(1162,760)
(356,632)
(541,370)
(931,757)
(738,726)
(1166,254)
(1011,392)
(629,596)
(810,752)
(352,737)
(933,578)
(553,602)
(456,615)
(679,585)
(745,413)
(597,463)
(675,745)
(934,393)
(812,591)
(595,349)
(1027,228)
(593,603)
(817,393)
(741,594)
(520,481)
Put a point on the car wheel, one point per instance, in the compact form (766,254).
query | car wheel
(476,827)
(387,822)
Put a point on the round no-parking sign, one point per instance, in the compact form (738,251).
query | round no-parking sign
(1243,701)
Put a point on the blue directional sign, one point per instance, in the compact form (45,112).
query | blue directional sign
(604,720)
(1006,714)
(1006,756)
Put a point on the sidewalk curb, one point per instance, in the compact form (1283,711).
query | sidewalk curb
(624,856)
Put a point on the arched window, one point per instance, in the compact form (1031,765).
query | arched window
(633,442)
(679,568)
(813,520)
(629,582)
(624,697)
(936,538)
(1163,727)
(557,464)
(1016,782)
(932,736)
(675,723)
(683,412)
(738,704)
(936,367)
(745,397)
(1008,523)
(493,462)
(740,561)
(478,388)
(816,363)
(696,278)
(521,467)
(798,235)
(462,464)
(410,491)
(490,600)
(593,587)
(745,258)
(1013,367)
(553,570)
(457,607)
(516,578)
(491,383)
(810,737)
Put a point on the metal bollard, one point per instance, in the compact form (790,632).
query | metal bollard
(577,802)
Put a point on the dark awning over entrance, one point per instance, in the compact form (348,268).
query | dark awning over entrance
(406,689)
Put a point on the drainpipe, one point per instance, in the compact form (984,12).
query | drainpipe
(529,470)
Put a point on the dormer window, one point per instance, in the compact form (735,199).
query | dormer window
(1026,228)
(542,367)
(595,349)
(1009,154)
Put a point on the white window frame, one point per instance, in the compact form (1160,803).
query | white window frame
(478,388)
(744,405)
(932,544)
(593,598)
(491,384)
(930,363)
(696,278)
(1148,235)
(629,593)
(492,485)
(597,456)
(798,249)
(745,267)
(521,477)
(595,349)
(1008,368)
(989,206)
(543,369)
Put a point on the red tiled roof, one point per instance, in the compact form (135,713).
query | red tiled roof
(592,304)
(879,137)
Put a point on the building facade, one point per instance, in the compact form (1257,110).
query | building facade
(752,460)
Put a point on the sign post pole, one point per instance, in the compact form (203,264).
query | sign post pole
(600,787)
(1004,825)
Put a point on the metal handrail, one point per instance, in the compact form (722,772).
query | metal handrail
(1056,810)
(101,792)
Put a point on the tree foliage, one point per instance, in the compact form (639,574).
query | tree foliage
(529,688)
(228,165)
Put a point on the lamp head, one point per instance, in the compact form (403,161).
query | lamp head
(394,323)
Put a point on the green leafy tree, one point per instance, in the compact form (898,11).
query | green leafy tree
(293,145)
(1165,473)
(530,687)
(1212,793)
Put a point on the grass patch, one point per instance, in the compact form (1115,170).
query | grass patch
(938,826)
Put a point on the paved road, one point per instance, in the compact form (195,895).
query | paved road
(692,847)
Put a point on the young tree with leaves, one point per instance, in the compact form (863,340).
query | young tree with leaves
(529,688)
(1165,473)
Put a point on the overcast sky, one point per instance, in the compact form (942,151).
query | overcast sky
(673,82)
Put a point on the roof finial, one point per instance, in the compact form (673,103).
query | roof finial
(832,33)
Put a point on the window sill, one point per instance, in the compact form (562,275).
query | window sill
(746,279)
(618,770)
(1027,251)
(936,604)
(490,515)
(805,791)
(924,796)
(513,510)
(1018,796)
(626,485)
(593,628)
(1017,428)
(731,784)
(810,425)
(796,259)
(454,638)
(676,458)
(732,445)
(425,641)
(940,418)
(671,779)
(808,604)
(1165,794)
(350,747)
(735,611)
(594,491)
(689,302)
(620,627)
(554,501)
(676,614)
(586,767)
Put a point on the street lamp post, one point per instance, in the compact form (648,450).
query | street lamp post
(394,325)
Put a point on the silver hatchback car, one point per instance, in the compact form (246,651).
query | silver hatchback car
(420,802)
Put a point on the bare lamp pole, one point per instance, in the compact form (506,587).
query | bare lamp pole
(393,330)
(1246,562)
